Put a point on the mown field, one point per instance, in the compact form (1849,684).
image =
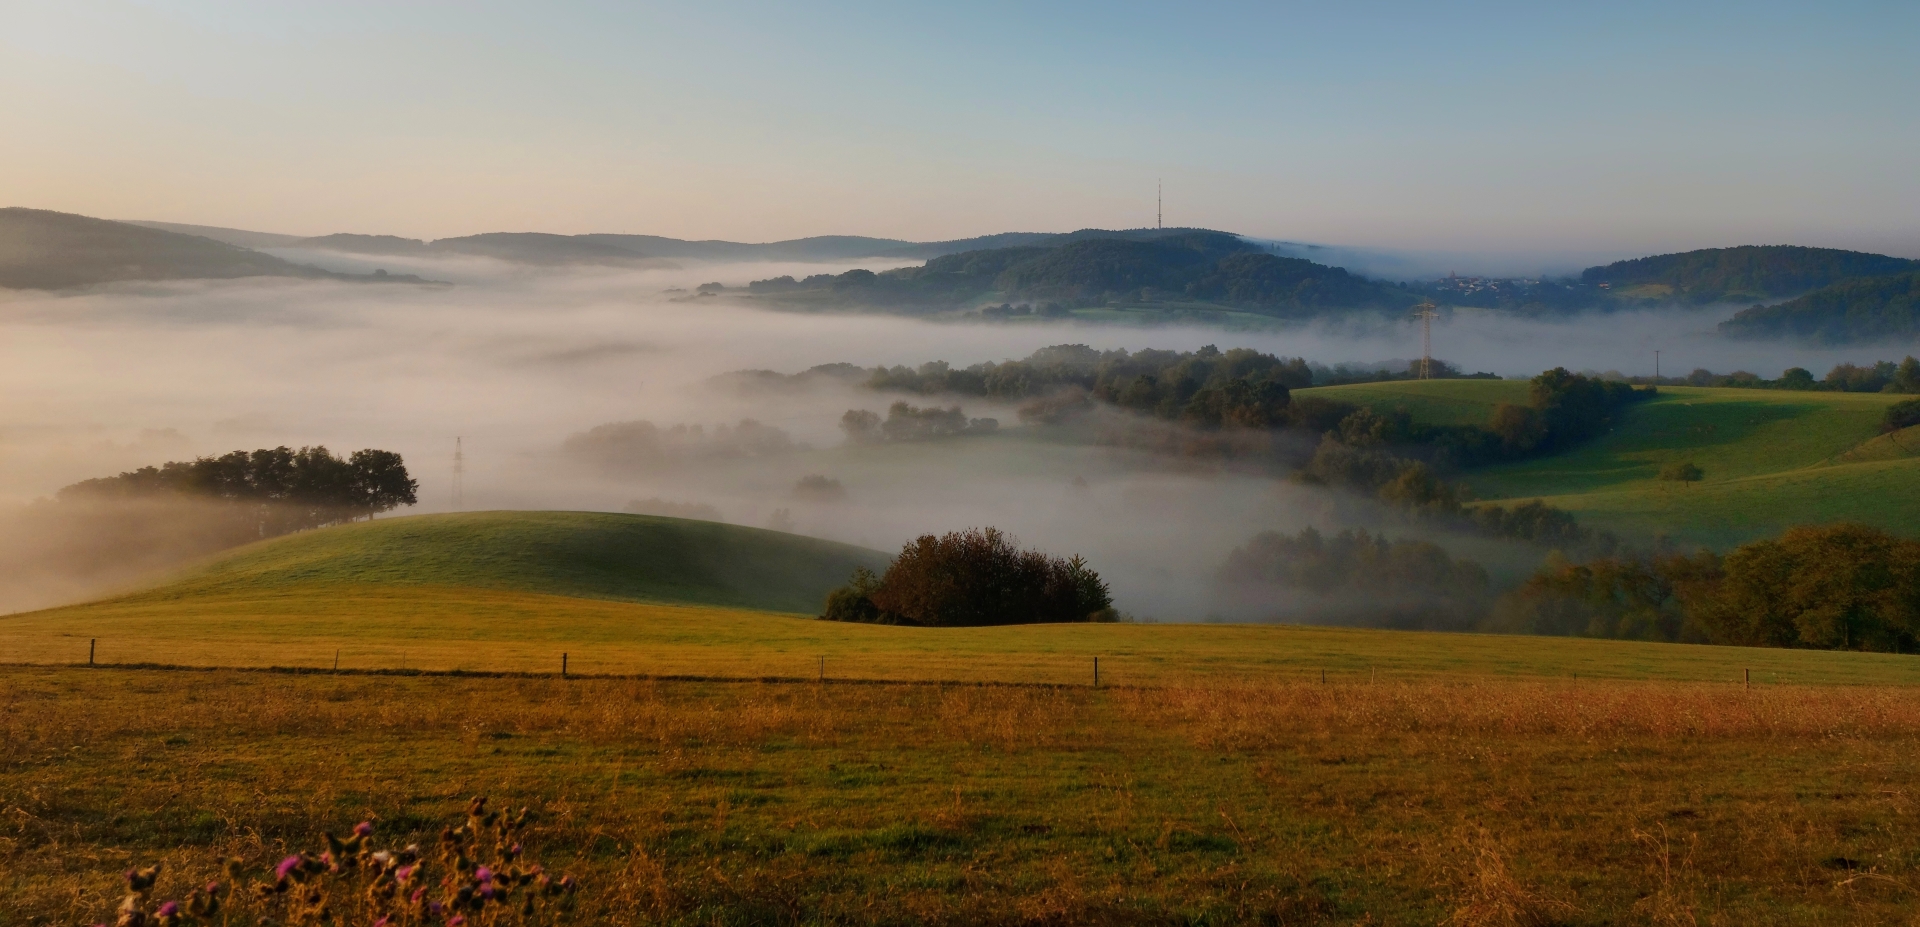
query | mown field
(1462,802)
(1771,459)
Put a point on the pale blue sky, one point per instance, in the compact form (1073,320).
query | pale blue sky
(1498,127)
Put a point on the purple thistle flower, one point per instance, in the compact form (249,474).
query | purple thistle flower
(456,920)
(513,850)
(435,907)
(213,888)
(483,875)
(404,873)
(363,829)
(286,867)
(383,921)
(169,909)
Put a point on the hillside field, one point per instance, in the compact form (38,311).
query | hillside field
(1772,459)
(715,764)
(638,595)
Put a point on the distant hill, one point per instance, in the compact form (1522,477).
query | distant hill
(1096,266)
(41,249)
(638,558)
(1864,309)
(238,237)
(1745,274)
(382,245)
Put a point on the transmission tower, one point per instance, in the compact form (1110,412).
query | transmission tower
(1159,206)
(1426,311)
(459,475)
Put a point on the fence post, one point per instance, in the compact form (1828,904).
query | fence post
(823,668)
(336,661)
(1096,672)
(90,644)
(563,665)
(1749,679)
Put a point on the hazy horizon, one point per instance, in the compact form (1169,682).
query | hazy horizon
(1491,134)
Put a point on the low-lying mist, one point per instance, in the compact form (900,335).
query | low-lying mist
(516,362)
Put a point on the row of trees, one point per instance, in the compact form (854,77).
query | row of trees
(287,490)
(971,578)
(1354,578)
(1837,587)
(905,422)
(1878,377)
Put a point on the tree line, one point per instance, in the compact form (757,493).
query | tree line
(287,490)
(906,422)
(1878,377)
(1830,587)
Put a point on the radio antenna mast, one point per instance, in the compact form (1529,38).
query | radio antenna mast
(1159,204)
(459,475)
(1426,311)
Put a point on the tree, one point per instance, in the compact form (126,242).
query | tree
(379,481)
(1843,587)
(972,578)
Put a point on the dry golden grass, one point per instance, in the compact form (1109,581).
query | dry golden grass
(744,803)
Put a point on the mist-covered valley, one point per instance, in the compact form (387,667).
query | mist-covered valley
(516,361)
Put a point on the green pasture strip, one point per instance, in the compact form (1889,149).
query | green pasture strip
(439,628)
(1771,459)
(589,554)
(1433,402)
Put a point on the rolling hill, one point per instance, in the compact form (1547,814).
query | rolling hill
(512,591)
(1772,459)
(637,558)
(1883,309)
(1193,268)
(1745,274)
(45,250)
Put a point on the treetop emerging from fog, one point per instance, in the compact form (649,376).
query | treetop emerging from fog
(306,488)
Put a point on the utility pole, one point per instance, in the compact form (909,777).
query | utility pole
(459,475)
(1426,311)
(1656,366)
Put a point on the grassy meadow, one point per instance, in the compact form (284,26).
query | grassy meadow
(638,595)
(719,764)
(680,802)
(1771,459)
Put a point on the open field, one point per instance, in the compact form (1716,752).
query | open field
(408,594)
(799,803)
(439,628)
(1772,459)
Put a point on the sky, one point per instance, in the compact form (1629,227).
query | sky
(1555,130)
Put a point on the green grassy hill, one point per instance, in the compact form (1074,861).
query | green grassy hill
(512,591)
(1772,459)
(637,558)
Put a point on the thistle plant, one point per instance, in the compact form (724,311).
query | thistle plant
(477,878)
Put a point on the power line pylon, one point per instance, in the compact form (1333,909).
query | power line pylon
(459,475)
(1426,311)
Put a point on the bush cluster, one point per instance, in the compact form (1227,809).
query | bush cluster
(972,578)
